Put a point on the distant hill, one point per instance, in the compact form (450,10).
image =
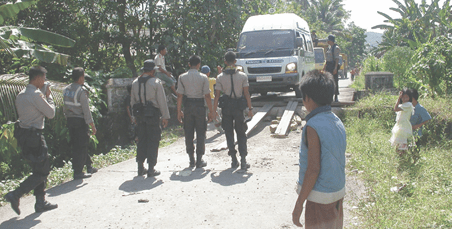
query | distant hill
(373,38)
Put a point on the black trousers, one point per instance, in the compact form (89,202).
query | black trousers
(79,133)
(38,158)
(330,68)
(195,119)
(149,135)
(233,119)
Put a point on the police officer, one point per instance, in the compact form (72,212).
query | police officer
(78,115)
(233,117)
(193,90)
(332,62)
(148,102)
(33,104)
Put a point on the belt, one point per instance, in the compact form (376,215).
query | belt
(195,99)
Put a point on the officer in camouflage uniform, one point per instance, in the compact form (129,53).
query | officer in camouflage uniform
(148,91)
(193,90)
(78,115)
(33,104)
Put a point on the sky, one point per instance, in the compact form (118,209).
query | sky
(364,12)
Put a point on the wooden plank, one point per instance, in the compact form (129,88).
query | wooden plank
(251,125)
(283,126)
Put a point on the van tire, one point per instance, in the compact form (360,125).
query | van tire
(297,90)
(263,93)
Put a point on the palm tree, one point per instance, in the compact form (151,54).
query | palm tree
(330,12)
(27,42)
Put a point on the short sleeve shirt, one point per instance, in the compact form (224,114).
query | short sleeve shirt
(193,84)
(224,83)
(420,115)
(159,60)
(329,53)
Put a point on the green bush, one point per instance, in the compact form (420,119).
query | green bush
(397,61)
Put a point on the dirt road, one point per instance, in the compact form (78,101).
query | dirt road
(214,197)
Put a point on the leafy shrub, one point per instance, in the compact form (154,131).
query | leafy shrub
(433,66)
(397,61)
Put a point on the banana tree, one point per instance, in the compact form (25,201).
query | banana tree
(22,42)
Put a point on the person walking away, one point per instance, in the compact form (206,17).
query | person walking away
(332,63)
(212,81)
(78,116)
(402,130)
(236,98)
(321,179)
(148,102)
(161,71)
(33,104)
(193,91)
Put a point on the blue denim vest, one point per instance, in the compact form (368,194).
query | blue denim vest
(330,184)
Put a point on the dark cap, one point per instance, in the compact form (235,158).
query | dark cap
(331,38)
(149,65)
(205,69)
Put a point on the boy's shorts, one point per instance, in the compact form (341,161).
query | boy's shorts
(323,215)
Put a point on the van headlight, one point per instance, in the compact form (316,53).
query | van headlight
(291,68)
(238,67)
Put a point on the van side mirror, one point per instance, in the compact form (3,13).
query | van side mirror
(299,42)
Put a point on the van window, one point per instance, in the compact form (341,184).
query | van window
(309,43)
(304,42)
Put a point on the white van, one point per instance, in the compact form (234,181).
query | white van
(275,51)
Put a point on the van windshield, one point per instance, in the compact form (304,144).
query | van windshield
(264,41)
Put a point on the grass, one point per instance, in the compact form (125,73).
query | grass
(409,191)
(60,175)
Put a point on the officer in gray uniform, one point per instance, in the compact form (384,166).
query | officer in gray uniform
(149,107)
(332,63)
(78,115)
(232,112)
(193,90)
(33,104)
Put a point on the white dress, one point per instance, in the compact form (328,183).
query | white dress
(402,130)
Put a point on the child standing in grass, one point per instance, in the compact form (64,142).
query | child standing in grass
(321,181)
(402,130)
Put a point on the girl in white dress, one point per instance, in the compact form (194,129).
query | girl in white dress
(402,130)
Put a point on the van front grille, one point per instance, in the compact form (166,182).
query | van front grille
(264,70)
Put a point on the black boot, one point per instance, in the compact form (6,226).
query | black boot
(200,162)
(141,170)
(42,205)
(152,172)
(92,170)
(192,160)
(14,200)
(244,165)
(235,163)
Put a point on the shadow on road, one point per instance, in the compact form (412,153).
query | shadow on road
(230,177)
(27,222)
(188,174)
(140,183)
(66,187)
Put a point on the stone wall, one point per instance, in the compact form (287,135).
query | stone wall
(116,93)
(379,80)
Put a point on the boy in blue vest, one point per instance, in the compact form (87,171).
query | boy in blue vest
(322,156)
